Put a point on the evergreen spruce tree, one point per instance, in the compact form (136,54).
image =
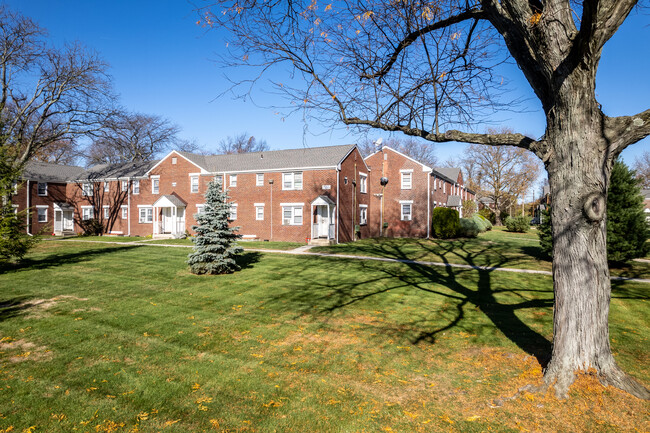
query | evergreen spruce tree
(545,233)
(215,243)
(627,229)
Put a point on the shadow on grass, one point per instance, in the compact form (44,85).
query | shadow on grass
(13,307)
(464,292)
(248,259)
(58,259)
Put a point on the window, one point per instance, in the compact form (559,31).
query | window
(86,213)
(194,183)
(407,179)
(155,185)
(233,211)
(87,190)
(14,187)
(125,212)
(363,214)
(107,187)
(444,187)
(363,183)
(42,188)
(292,180)
(259,211)
(219,179)
(42,213)
(125,185)
(107,213)
(259,179)
(292,214)
(174,160)
(233,180)
(200,208)
(146,214)
(136,187)
(407,210)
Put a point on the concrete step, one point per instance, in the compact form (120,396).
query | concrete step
(321,242)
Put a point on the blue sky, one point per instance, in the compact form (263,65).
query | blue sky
(163,63)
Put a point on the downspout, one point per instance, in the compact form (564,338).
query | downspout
(338,207)
(128,205)
(428,204)
(29,195)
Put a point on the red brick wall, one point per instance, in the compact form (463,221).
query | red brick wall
(388,163)
(56,192)
(351,197)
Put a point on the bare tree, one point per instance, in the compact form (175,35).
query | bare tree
(426,69)
(242,143)
(64,152)
(500,173)
(49,96)
(129,137)
(642,168)
(419,150)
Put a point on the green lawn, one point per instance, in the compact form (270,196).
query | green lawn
(117,338)
(244,244)
(497,248)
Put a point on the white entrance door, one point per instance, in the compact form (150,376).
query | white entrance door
(58,221)
(323,221)
(167,220)
(68,223)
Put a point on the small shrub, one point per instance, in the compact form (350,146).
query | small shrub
(445,222)
(488,215)
(483,223)
(91,227)
(469,228)
(519,224)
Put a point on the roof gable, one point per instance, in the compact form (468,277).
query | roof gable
(425,167)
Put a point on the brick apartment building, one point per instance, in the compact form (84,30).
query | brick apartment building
(325,194)
(405,191)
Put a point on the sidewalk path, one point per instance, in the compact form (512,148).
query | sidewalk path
(303,251)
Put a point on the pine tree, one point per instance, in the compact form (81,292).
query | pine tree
(627,229)
(215,243)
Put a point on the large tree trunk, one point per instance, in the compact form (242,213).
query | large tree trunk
(579,177)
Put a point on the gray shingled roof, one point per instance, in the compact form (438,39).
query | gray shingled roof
(453,201)
(116,171)
(451,173)
(46,172)
(329,156)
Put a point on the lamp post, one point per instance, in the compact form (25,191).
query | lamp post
(383,181)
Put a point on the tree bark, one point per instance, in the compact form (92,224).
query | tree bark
(579,176)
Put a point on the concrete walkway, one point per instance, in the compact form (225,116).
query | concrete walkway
(303,251)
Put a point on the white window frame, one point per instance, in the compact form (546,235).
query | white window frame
(87,189)
(402,205)
(219,179)
(135,186)
(107,187)
(232,180)
(290,179)
(107,212)
(363,183)
(194,184)
(233,212)
(259,179)
(41,210)
(125,212)
(14,187)
(147,211)
(406,179)
(38,189)
(155,184)
(363,214)
(174,160)
(200,209)
(444,187)
(259,209)
(87,213)
(296,217)
(125,185)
